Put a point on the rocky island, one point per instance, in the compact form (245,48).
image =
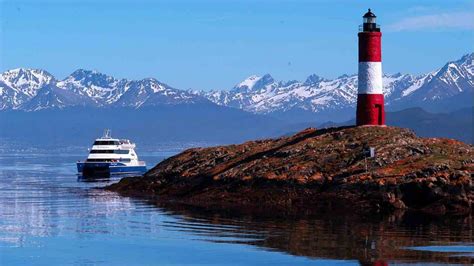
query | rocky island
(318,170)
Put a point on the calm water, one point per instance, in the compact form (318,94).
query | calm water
(49,217)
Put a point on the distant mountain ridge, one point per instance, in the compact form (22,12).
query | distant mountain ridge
(433,91)
(448,88)
(33,90)
(456,124)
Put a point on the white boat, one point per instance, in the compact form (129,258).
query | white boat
(111,156)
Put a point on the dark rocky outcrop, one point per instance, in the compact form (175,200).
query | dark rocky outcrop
(316,170)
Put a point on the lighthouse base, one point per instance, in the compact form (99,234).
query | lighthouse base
(370,110)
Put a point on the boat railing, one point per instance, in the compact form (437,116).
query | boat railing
(128,146)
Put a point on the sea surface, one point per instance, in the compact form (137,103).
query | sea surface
(49,216)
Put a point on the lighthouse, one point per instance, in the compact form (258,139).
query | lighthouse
(370,102)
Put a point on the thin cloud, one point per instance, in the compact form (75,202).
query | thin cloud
(458,20)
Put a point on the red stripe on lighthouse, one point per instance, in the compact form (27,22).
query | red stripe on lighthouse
(370,109)
(370,47)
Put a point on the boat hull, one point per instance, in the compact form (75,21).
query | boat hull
(105,168)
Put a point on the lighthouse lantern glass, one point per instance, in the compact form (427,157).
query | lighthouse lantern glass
(369,20)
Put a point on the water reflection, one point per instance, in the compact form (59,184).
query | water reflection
(102,178)
(43,204)
(40,196)
(402,237)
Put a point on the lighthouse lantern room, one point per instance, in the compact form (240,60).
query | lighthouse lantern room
(370,101)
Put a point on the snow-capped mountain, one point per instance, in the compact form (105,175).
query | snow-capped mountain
(264,95)
(9,97)
(27,81)
(452,80)
(106,90)
(18,86)
(32,89)
(151,92)
(51,96)
(314,95)
(102,89)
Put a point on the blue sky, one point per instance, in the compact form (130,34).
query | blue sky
(215,44)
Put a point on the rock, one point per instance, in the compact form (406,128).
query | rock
(437,208)
(319,168)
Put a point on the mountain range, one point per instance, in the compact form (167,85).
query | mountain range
(37,107)
(34,90)
(445,89)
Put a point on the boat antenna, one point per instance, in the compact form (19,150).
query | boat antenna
(107,134)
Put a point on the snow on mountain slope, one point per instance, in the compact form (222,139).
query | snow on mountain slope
(20,85)
(50,96)
(264,95)
(453,78)
(249,82)
(102,89)
(9,97)
(315,94)
(151,92)
(32,89)
(27,81)
(417,83)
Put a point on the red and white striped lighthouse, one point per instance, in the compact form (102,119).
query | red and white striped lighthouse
(370,103)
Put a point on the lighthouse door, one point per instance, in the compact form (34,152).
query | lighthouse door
(378,108)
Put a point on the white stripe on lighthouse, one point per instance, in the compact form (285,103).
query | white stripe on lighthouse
(370,78)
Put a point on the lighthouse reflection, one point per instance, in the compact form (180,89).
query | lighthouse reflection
(401,237)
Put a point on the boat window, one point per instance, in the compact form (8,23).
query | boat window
(107,160)
(102,151)
(99,160)
(111,151)
(106,142)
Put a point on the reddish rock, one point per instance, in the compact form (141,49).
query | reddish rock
(317,169)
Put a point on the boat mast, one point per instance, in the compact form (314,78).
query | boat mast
(107,134)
